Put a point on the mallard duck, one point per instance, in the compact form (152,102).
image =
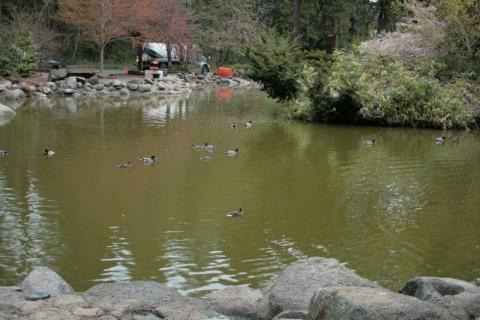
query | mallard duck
(147,160)
(440,139)
(124,165)
(48,153)
(232,153)
(369,142)
(233,125)
(209,146)
(3,153)
(206,158)
(248,124)
(235,213)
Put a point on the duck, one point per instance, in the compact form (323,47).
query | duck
(440,139)
(206,158)
(209,146)
(232,153)
(3,153)
(233,125)
(369,142)
(124,165)
(198,147)
(235,213)
(48,153)
(248,124)
(147,160)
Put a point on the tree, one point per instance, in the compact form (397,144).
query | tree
(103,21)
(296,17)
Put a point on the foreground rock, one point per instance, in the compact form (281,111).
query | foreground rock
(368,303)
(45,280)
(461,298)
(6,111)
(239,301)
(297,284)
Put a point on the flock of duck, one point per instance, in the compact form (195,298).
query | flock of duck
(205,147)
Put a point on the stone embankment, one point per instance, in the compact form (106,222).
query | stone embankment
(59,84)
(311,289)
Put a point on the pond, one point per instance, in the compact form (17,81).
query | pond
(403,207)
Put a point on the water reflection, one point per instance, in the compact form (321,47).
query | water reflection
(307,189)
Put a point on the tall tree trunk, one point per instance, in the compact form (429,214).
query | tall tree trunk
(169,54)
(102,51)
(383,16)
(296,17)
(334,43)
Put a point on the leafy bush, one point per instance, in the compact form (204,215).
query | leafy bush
(381,89)
(18,55)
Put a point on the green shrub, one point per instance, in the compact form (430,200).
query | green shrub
(275,62)
(379,89)
(18,55)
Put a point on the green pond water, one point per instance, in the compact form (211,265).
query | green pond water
(401,208)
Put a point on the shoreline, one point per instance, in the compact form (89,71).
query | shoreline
(314,288)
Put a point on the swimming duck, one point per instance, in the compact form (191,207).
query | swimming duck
(233,125)
(369,142)
(206,158)
(235,213)
(124,165)
(146,160)
(209,146)
(248,124)
(198,147)
(440,139)
(48,153)
(3,153)
(232,153)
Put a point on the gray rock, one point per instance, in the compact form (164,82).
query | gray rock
(35,296)
(46,90)
(160,86)
(239,301)
(15,94)
(434,289)
(144,88)
(290,314)
(191,309)
(72,83)
(99,87)
(93,80)
(69,91)
(111,89)
(145,293)
(117,83)
(57,74)
(297,284)
(354,303)
(124,91)
(40,94)
(108,83)
(81,79)
(132,86)
(148,81)
(52,85)
(2,87)
(136,81)
(45,280)
(6,111)
(79,85)
(457,296)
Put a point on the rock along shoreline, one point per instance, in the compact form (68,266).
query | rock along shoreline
(313,289)
(59,84)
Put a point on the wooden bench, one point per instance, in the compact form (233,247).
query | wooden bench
(81,70)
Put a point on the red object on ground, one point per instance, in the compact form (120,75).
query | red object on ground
(225,72)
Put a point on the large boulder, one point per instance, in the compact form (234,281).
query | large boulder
(6,111)
(93,80)
(297,284)
(72,83)
(458,296)
(132,86)
(15,94)
(45,280)
(362,303)
(239,301)
(57,74)
(117,84)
